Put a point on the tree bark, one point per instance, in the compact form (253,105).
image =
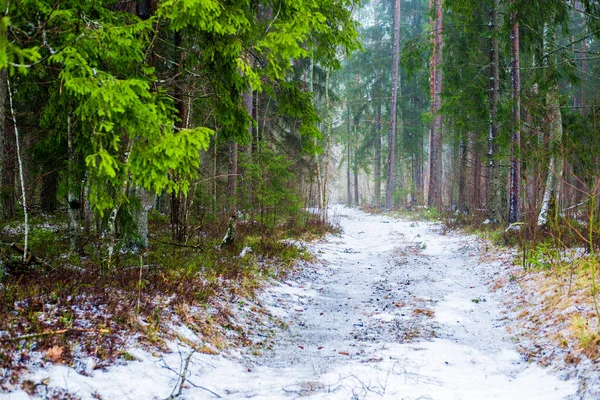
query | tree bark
(584,71)
(462,176)
(377,166)
(328,152)
(355,163)
(348,153)
(492,181)
(435,169)
(515,143)
(555,167)
(21,177)
(389,190)
(3,135)
(141,215)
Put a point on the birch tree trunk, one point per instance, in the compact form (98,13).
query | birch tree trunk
(555,167)
(389,191)
(21,176)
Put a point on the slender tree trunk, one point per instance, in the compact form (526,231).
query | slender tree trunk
(215,170)
(3,135)
(492,181)
(21,177)
(348,161)
(432,149)
(248,101)
(183,105)
(515,144)
(584,67)
(327,166)
(555,167)
(328,152)
(233,171)
(389,190)
(435,164)
(377,167)
(356,122)
(355,164)
(462,176)
(319,193)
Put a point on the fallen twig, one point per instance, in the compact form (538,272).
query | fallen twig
(51,333)
(182,377)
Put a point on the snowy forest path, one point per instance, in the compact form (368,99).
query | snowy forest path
(391,309)
(394,309)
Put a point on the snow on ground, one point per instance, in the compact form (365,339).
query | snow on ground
(393,309)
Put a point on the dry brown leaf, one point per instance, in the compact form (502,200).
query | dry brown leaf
(54,354)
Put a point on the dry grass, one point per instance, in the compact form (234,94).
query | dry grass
(95,310)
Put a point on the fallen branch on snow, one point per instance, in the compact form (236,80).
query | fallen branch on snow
(51,333)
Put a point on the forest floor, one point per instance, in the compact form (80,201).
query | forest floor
(390,309)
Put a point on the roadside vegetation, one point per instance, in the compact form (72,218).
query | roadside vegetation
(67,307)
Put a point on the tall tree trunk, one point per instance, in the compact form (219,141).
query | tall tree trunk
(319,193)
(435,168)
(215,171)
(555,167)
(248,101)
(21,176)
(325,196)
(462,176)
(583,66)
(389,190)
(348,153)
(3,135)
(182,96)
(515,143)
(355,163)
(492,181)
(356,120)
(377,166)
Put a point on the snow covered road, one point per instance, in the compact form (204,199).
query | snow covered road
(399,310)
(392,309)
